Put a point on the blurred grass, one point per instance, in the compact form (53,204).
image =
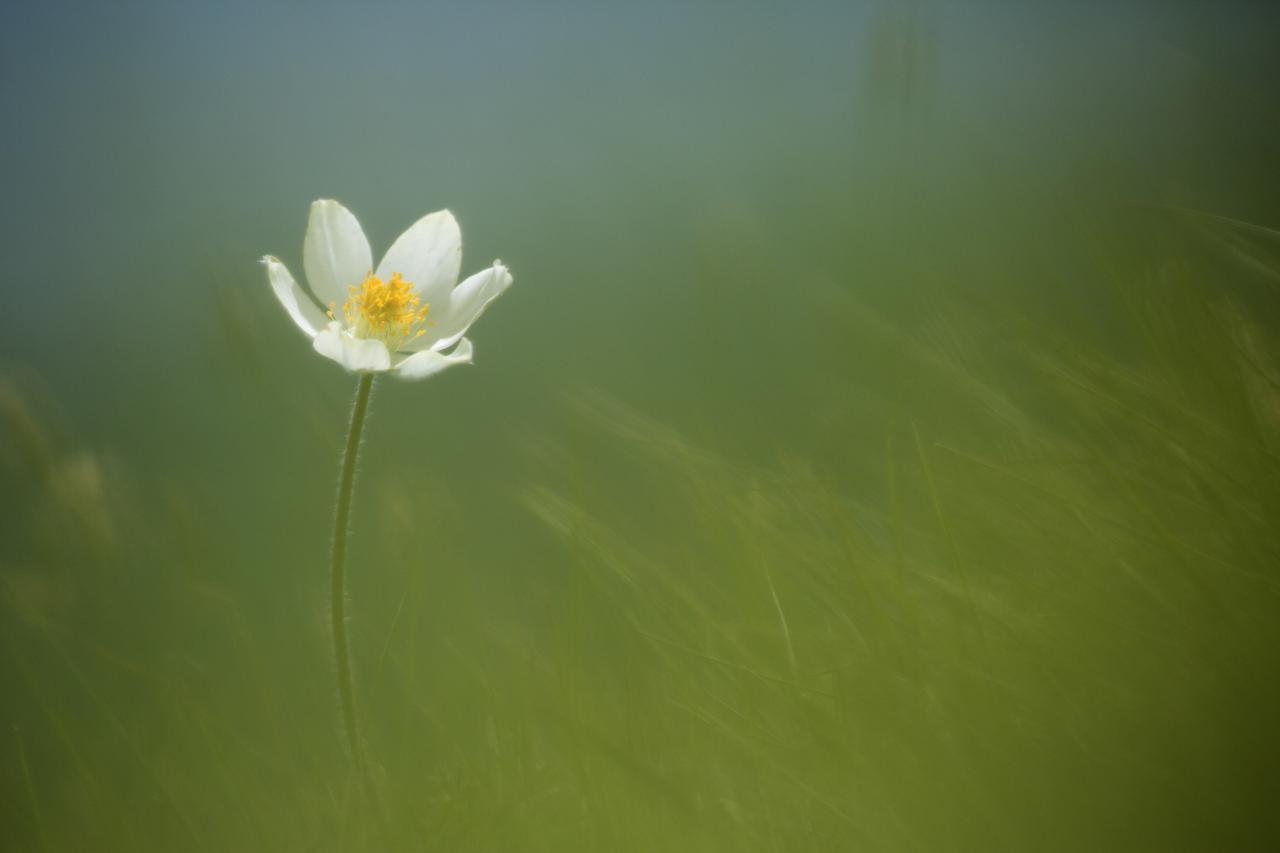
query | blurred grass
(868,459)
(1016,590)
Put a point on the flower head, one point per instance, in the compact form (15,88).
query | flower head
(399,317)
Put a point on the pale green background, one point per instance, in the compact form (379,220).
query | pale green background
(877,451)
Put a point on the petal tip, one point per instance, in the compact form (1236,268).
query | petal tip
(323,206)
(445,215)
(503,274)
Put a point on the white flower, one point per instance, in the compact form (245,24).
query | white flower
(399,317)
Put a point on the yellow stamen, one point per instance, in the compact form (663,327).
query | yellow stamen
(387,311)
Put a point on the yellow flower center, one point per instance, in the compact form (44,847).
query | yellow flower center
(387,311)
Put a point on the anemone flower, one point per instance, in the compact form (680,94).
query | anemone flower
(399,317)
(404,317)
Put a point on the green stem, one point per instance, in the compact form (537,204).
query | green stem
(338,575)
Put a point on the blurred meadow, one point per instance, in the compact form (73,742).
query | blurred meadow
(879,448)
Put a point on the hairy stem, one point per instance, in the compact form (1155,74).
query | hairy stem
(338,574)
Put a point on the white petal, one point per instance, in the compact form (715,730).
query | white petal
(428,256)
(300,307)
(420,365)
(335,253)
(359,355)
(467,302)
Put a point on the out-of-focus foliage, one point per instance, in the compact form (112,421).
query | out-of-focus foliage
(878,451)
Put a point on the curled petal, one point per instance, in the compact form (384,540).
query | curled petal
(335,253)
(358,355)
(468,301)
(420,365)
(301,309)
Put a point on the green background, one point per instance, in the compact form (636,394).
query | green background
(879,448)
